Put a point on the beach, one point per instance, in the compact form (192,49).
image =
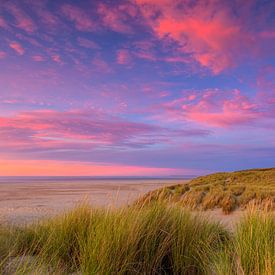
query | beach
(27,199)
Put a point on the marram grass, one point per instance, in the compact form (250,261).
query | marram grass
(255,243)
(251,251)
(152,239)
(228,191)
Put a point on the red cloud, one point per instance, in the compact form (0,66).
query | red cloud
(82,20)
(17,48)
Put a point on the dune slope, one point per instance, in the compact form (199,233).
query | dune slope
(228,191)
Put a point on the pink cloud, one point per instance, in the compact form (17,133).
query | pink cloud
(44,15)
(23,21)
(36,131)
(17,47)
(87,43)
(266,88)
(26,38)
(146,55)
(54,128)
(115,17)
(2,54)
(100,65)
(176,59)
(208,31)
(56,58)
(123,57)
(268,34)
(144,49)
(214,108)
(3,23)
(80,17)
(38,58)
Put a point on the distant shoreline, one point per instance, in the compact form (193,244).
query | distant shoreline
(102,177)
(24,199)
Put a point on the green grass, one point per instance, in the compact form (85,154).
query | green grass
(252,250)
(228,191)
(153,239)
(156,239)
(255,244)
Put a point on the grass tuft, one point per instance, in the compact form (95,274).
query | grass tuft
(251,251)
(228,191)
(157,238)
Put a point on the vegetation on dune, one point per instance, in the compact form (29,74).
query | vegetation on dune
(255,244)
(155,239)
(227,191)
(252,249)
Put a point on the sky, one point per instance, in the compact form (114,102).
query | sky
(136,88)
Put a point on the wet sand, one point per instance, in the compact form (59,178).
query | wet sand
(23,201)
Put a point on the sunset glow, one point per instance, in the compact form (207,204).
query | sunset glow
(136,87)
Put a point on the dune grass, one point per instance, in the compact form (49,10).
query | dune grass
(228,191)
(159,239)
(153,239)
(252,249)
(255,243)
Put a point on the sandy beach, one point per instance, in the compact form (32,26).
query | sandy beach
(26,200)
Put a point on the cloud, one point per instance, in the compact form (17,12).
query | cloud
(87,43)
(52,128)
(38,58)
(223,112)
(57,58)
(2,54)
(3,23)
(115,17)
(266,89)
(23,21)
(47,17)
(209,31)
(217,109)
(17,47)
(81,19)
(100,65)
(48,130)
(123,57)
